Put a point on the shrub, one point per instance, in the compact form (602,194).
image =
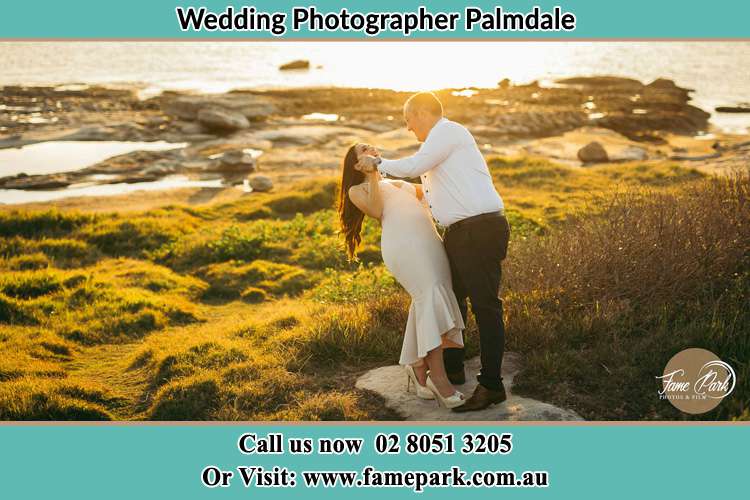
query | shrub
(334,405)
(351,333)
(254,295)
(603,302)
(208,355)
(362,285)
(29,285)
(35,399)
(133,237)
(306,202)
(192,399)
(36,224)
(229,279)
(29,262)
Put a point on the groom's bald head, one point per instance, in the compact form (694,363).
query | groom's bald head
(421,112)
(424,102)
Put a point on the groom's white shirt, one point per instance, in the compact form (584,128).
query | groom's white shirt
(455,178)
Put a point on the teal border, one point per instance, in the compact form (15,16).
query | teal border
(596,19)
(585,461)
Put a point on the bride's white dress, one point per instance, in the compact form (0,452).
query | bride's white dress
(413,252)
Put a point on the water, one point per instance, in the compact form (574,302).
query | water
(15,196)
(67,156)
(718,71)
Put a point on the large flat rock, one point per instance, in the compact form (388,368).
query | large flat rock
(390,383)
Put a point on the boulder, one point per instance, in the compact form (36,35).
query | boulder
(190,128)
(631,153)
(593,152)
(602,82)
(389,382)
(261,183)
(31,182)
(663,84)
(187,107)
(733,109)
(222,119)
(303,135)
(237,161)
(298,64)
(93,133)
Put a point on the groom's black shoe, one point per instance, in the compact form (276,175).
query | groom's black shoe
(457,378)
(482,398)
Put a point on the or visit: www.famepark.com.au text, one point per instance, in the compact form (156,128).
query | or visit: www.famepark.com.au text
(418,480)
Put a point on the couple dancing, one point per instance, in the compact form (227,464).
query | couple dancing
(456,191)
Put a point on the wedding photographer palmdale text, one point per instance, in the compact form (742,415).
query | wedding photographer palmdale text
(249,19)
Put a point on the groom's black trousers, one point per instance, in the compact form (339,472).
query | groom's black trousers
(476,247)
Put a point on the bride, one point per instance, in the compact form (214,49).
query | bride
(413,252)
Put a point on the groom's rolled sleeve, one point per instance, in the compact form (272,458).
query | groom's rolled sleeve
(434,151)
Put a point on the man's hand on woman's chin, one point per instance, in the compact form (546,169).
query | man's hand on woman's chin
(367,164)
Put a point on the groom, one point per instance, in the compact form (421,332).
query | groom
(458,189)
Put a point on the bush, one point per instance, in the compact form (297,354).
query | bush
(13,311)
(36,224)
(30,262)
(134,237)
(192,399)
(208,355)
(229,279)
(336,406)
(253,295)
(306,202)
(354,334)
(29,285)
(35,399)
(619,293)
(364,284)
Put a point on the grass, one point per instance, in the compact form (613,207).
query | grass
(250,311)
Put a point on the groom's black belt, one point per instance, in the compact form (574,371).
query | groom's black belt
(475,218)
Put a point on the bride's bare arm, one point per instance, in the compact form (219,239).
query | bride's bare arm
(368,197)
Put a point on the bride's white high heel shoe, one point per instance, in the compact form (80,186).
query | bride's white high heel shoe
(454,400)
(422,391)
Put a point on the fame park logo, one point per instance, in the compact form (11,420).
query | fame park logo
(696,381)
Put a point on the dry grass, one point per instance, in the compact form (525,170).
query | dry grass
(250,310)
(601,303)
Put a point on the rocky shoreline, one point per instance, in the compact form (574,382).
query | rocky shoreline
(293,132)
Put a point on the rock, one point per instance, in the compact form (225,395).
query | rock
(663,84)
(593,152)
(261,183)
(196,138)
(31,182)
(190,128)
(307,134)
(160,169)
(93,133)
(237,161)
(298,64)
(135,179)
(390,383)
(733,109)
(631,153)
(222,119)
(711,156)
(504,83)
(602,81)
(187,107)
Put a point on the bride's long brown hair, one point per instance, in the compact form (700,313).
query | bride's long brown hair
(350,216)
